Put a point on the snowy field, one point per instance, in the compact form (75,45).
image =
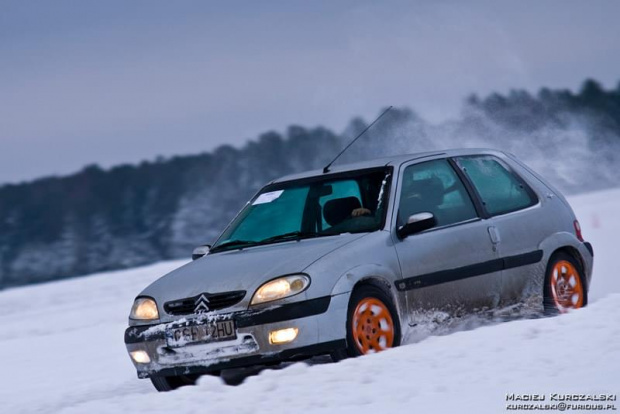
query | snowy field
(62,352)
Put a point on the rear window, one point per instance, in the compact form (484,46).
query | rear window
(500,189)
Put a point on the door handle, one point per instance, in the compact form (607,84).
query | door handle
(494,235)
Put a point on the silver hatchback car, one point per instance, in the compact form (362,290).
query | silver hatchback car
(340,262)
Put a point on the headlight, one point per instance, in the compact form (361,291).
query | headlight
(279,288)
(144,309)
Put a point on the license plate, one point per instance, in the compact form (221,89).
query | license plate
(209,332)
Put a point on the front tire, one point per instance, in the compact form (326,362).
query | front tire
(565,287)
(372,322)
(164,384)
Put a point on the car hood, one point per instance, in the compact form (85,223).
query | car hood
(243,269)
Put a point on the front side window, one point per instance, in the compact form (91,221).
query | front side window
(320,206)
(499,189)
(435,187)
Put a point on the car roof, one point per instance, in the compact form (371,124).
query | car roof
(395,161)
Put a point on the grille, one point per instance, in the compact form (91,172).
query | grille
(216,301)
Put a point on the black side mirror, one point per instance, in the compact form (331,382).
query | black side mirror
(417,223)
(200,251)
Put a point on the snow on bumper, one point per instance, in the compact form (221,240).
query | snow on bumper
(321,324)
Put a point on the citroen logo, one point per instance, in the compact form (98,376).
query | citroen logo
(201,304)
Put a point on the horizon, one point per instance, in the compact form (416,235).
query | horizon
(249,141)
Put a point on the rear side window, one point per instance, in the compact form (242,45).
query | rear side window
(500,189)
(434,187)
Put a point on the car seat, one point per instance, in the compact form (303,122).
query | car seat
(339,209)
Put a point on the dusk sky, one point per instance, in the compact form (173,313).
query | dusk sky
(111,82)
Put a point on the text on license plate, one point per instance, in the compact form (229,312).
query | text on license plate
(209,332)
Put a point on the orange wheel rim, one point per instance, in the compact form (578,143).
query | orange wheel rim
(373,326)
(566,287)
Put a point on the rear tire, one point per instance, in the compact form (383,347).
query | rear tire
(372,322)
(565,287)
(164,384)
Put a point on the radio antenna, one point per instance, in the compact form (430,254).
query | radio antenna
(326,169)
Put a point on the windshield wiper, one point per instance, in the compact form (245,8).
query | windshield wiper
(233,244)
(292,235)
(246,243)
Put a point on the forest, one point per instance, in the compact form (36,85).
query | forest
(129,215)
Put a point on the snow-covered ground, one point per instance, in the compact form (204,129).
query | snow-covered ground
(62,351)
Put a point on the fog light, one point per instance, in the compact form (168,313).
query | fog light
(140,357)
(282,336)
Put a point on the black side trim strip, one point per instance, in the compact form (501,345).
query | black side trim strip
(287,355)
(522,259)
(451,275)
(136,334)
(590,248)
(284,312)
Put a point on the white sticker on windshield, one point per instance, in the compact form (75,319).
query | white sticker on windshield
(267,197)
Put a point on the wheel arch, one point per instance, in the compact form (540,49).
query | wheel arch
(567,243)
(375,275)
(378,282)
(571,251)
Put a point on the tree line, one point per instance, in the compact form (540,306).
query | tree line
(130,215)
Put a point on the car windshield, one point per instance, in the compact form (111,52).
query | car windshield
(351,202)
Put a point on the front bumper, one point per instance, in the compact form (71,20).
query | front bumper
(321,323)
(588,261)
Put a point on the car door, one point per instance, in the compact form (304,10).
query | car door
(514,208)
(452,267)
